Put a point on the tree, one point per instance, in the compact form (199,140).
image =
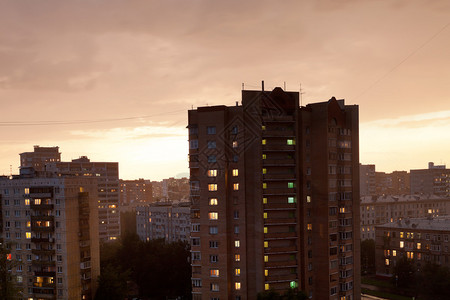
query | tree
(434,282)
(112,284)
(404,273)
(368,256)
(8,287)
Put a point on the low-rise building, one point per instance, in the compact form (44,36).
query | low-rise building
(422,240)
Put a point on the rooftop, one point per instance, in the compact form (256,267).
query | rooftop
(437,223)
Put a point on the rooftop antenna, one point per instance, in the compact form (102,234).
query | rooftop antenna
(285,85)
(262,85)
(301,93)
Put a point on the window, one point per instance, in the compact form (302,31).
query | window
(237,285)
(195,241)
(237,257)
(264,171)
(213,244)
(213,230)
(394,253)
(237,271)
(213,201)
(27,201)
(266,258)
(60,269)
(213,215)
(234,130)
(264,185)
(265,230)
(212,159)
(212,187)
(266,272)
(193,144)
(236,229)
(292,200)
(264,200)
(214,272)
(236,214)
(212,173)
(235,172)
(193,130)
(264,142)
(402,244)
(264,156)
(237,243)
(211,144)
(266,286)
(235,144)
(309,226)
(236,186)
(266,244)
(265,215)
(213,258)
(419,245)
(214,287)
(37,201)
(235,158)
(195,228)
(290,142)
(59,257)
(291,185)
(211,129)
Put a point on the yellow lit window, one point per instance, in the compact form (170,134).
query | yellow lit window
(213,201)
(237,257)
(308,199)
(264,200)
(309,226)
(266,286)
(212,187)
(394,253)
(264,170)
(264,185)
(266,244)
(263,127)
(265,215)
(266,258)
(27,201)
(237,286)
(237,271)
(237,243)
(28,235)
(235,172)
(264,141)
(386,262)
(266,272)
(265,229)
(37,201)
(27,191)
(402,235)
(264,156)
(419,245)
(402,244)
(28,224)
(212,173)
(213,215)
(235,144)
(236,186)
(214,272)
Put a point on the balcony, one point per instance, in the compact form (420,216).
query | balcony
(42,218)
(280,250)
(41,206)
(35,228)
(278,162)
(279,177)
(45,274)
(278,147)
(280,221)
(280,235)
(281,264)
(279,191)
(42,240)
(43,252)
(279,206)
(44,263)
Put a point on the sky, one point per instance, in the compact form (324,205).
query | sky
(113,79)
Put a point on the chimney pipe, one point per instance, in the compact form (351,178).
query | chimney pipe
(262,84)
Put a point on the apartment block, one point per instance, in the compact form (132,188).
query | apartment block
(164,220)
(50,227)
(367,180)
(275,197)
(39,157)
(378,210)
(395,183)
(134,192)
(422,240)
(434,180)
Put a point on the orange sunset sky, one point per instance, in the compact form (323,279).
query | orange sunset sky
(113,79)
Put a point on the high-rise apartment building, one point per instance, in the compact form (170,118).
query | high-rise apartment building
(434,180)
(275,197)
(39,157)
(135,192)
(367,180)
(107,175)
(50,227)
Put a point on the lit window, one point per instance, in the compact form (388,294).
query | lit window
(265,215)
(237,285)
(266,286)
(291,185)
(28,224)
(293,284)
(266,272)
(237,243)
(342,210)
(264,141)
(394,253)
(236,186)
(27,191)
(214,287)
(265,229)
(402,234)
(402,244)
(266,258)
(292,200)
(263,127)
(386,261)
(213,201)
(264,185)
(235,172)
(213,215)
(308,199)
(37,201)
(235,144)
(264,170)
(264,156)
(237,257)
(309,226)
(214,272)
(419,245)
(237,271)
(212,187)
(28,235)
(266,244)
(264,200)
(27,201)
(290,142)
(212,173)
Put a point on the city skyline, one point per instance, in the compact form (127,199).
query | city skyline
(114,81)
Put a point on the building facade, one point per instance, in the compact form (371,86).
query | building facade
(388,209)
(434,180)
(50,227)
(135,192)
(39,157)
(422,240)
(164,220)
(275,197)
(367,180)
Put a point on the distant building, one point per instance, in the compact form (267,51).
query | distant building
(378,210)
(167,220)
(395,183)
(175,188)
(434,180)
(367,180)
(275,197)
(40,157)
(421,240)
(135,192)
(107,175)
(50,225)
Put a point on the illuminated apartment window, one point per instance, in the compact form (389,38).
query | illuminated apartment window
(28,235)
(264,141)
(419,245)
(265,229)
(394,253)
(309,226)
(402,244)
(264,200)
(212,187)
(342,210)
(386,261)
(27,201)
(293,284)
(237,271)
(214,272)
(265,215)
(237,257)
(235,172)
(266,258)
(266,272)
(402,234)
(237,285)
(235,186)
(28,224)
(291,185)
(212,173)
(290,142)
(266,286)
(292,200)
(213,201)
(214,287)
(213,215)
(308,199)
(27,191)
(266,244)
(264,170)
(235,144)
(264,156)
(264,185)
(237,243)
(37,201)
(263,127)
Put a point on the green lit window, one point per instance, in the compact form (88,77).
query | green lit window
(293,284)
(291,185)
(292,200)
(291,142)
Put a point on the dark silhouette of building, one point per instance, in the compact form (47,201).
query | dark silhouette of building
(275,197)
